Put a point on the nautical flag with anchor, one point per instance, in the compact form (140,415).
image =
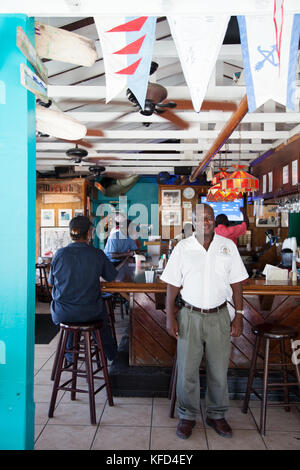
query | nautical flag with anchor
(270,52)
(127,44)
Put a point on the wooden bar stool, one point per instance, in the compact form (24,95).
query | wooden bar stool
(44,293)
(266,332)
(118,299)
(173,383)
(108,300)
(87,349)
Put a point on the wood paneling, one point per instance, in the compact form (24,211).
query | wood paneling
(81,204)
(258,235)
(167,232)
(275,163)
(150,344)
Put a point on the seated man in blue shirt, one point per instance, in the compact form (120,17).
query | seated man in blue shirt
(119,244)
(75,276)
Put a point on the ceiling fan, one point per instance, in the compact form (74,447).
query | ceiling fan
(79,156)
(156,103)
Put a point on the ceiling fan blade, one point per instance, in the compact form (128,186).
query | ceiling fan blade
(82,142)
(169,104)
(100,159)
(107,123)
(207,105)
(218,105)
(183,104)
(170,116)
(94,133)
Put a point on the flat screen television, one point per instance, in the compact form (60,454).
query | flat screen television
(231,209)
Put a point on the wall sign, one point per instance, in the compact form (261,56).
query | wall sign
(270,174)
(58,188)
(264,188)
(294,172)
(285,174)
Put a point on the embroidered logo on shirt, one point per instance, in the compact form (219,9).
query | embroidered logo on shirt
(224,250)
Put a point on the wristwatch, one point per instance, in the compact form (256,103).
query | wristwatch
(242,312)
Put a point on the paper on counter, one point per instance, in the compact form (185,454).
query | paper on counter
(273,273)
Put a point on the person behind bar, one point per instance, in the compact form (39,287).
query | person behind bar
(204,267)
(233,232)
(75,276)
(119,244)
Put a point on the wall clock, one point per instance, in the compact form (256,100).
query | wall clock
(189,193)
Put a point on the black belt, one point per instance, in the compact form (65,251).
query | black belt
(205,310)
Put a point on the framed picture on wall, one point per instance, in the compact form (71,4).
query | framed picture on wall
(171,216)
(64,217)
(53,238)
(47,217)
(294,172)
(268,217)
(171,197)
(270,177)
(285,174)
(78,212)
(264,188)
(284,219)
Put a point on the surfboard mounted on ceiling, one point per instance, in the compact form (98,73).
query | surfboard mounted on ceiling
(59,125)
(65,46)
(53,122)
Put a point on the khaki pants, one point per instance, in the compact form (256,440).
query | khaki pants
(194,331)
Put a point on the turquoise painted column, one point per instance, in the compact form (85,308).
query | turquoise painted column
(17,241)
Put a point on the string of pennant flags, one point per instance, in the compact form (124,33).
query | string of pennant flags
(269,49)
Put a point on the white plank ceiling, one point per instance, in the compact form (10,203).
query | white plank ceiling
(161,146)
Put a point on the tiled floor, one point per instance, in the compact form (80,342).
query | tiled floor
(143,423)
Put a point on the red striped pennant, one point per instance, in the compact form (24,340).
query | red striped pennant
(134,25)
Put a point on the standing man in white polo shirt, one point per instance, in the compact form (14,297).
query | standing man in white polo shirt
(206,268)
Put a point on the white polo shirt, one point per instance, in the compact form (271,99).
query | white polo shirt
(205,276)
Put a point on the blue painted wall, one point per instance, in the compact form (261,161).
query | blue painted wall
(17,241)
(145,192)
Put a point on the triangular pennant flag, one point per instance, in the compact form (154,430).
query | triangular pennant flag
(270,53)
(127,45)
(133,25)
(198,41)
(133,47)
(130,70)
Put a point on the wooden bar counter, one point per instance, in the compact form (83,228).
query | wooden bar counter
(151,345)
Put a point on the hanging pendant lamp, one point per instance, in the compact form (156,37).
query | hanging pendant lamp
(240,180)
(221,175)
(217,194)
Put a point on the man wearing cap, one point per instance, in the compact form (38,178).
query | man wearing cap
(204,267)
(119,244)
(75,276)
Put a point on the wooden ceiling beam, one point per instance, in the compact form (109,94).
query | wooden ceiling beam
(222,138)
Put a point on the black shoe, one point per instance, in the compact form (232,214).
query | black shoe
(184,428)
(220,426)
